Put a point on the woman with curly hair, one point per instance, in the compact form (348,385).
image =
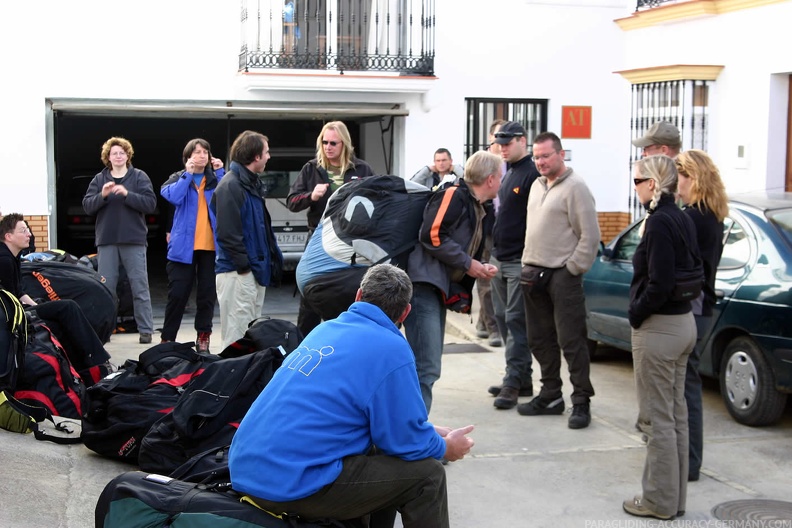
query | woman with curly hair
(663,335)
(704,195)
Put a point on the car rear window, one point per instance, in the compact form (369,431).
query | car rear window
(783,221)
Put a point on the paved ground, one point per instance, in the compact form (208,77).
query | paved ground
(522,472)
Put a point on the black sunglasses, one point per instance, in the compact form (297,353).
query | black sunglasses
(639,181)
(331,143)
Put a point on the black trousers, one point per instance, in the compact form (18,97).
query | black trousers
(68,322)
(181,278)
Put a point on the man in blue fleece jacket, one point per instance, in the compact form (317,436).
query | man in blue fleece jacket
(305,446)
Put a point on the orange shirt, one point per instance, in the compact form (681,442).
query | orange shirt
(204,238)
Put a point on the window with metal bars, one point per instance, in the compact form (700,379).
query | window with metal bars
(530,113)
(683,103)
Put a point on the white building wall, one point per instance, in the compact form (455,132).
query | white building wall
(563,50)
(749,102)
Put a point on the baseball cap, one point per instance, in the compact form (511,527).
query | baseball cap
(509,130)
(661,133)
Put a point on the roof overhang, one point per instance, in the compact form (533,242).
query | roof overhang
(225,109)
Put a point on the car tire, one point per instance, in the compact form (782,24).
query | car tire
(748,385)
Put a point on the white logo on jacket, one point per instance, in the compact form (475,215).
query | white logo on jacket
(306,359)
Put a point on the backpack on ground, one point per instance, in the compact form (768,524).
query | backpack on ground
(143,500)
(19,417)
(264,333)
(208,414)
(48,378)
(53,280)
(13,339)
(121,408)
(207,467)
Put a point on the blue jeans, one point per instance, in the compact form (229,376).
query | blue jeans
(425,330)
(508,304)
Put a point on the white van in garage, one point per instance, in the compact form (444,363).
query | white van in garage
(291,229)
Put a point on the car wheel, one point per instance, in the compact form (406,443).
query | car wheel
(748,386)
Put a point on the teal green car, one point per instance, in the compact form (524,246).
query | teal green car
(749,346)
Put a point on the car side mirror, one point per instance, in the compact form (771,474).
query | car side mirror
(605,252)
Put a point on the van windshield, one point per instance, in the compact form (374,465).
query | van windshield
(277,184)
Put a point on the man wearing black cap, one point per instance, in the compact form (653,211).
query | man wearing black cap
(508,240)
(661,138)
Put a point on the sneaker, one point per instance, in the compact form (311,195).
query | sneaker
(581,416)
(524,391)
(507,398)
(145,339)
(482,333)
(540,406)
(635,506)
(495,339)
(202,343)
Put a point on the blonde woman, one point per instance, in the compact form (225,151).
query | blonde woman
(702,190)
(664,333)
(334,165)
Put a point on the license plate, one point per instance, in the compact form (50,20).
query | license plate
(291,238)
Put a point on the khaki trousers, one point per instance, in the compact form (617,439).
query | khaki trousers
(660,352)
(240,299)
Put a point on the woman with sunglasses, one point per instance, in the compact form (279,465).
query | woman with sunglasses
(663,335)
(704,195)
(334,165)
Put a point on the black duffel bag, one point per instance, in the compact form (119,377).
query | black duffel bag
(120,408)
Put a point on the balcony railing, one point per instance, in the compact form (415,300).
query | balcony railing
(646,4)
(339,35)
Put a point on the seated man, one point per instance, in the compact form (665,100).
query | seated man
(443,173)
(305,446)
(64,317)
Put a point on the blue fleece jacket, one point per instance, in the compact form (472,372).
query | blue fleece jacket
(181,191)
(351,384)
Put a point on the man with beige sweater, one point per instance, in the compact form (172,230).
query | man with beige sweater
(561,239)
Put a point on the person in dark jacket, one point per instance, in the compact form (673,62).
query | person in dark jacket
(64,316)
(703,192)
(248,258)
(663,335)
(120,197)
(508,242)
(191,246)
(335,164)
(451,241)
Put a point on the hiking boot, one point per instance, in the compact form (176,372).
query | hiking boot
(202,343)
(635,506)
(145,339)
(581,416)
(539,406)
(524,391)
(495,339)
(507,398)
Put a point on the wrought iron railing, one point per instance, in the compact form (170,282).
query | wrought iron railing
(646,4)
(340,35)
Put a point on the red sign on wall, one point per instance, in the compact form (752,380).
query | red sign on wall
(576,122)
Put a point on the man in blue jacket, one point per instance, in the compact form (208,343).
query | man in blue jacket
(305,446)
(248,259)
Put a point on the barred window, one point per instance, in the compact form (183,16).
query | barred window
(530,113)
(682,103)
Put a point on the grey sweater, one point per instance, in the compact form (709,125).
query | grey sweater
(562,228)
(121,219)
